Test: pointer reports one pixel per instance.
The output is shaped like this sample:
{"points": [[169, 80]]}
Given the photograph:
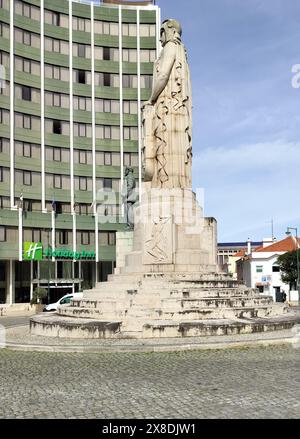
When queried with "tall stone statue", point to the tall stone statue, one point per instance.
{"points": [[129, 196], [167, 116]]}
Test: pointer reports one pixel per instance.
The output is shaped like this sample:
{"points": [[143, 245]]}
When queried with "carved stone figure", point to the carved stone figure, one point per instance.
{"points": [[158, 243], [167, 116], [129, 196]]}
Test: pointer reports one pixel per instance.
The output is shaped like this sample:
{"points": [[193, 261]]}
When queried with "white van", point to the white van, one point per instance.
{"points": [[65, 300]]}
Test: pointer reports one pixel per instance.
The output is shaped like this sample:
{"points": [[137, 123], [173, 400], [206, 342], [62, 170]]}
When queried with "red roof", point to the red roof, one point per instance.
{"points": [[240, 253], [286, 245], [243, 252]]}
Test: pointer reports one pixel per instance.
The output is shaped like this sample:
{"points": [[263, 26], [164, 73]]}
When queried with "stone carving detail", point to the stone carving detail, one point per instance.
{"points": [[167, 116], [158, 248]]}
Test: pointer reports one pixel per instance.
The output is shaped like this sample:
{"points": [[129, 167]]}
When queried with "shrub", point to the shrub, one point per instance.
{"points": [[38, 295]]}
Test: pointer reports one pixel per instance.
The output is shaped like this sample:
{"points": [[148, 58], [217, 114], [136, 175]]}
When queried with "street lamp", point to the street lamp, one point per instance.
{"points": [[288, 232]]}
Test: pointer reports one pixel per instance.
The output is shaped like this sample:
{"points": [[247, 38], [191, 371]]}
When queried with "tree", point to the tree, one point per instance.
{"points": [[288, 267], [38, 295]]}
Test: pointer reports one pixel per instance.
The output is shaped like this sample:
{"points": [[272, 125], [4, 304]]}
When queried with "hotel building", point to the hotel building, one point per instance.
{"points": [[73, 78]]}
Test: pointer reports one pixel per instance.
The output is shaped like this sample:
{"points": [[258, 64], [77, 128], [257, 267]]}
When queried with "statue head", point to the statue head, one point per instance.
{"points": [[128, 170], [170, 31]]}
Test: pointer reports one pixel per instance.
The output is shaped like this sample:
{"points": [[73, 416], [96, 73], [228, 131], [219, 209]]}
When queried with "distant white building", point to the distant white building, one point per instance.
{"points": [[258, 268]]}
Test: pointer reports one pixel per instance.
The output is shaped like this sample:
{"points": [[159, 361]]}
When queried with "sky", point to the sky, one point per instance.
{"points": [[246, 114]]}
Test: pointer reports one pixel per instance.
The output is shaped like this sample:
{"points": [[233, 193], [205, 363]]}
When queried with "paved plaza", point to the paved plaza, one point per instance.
{"points": [[260, 382]]}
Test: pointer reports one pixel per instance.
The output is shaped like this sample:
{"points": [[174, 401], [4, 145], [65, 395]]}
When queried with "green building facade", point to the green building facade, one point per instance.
{"points": [[73, 77]]}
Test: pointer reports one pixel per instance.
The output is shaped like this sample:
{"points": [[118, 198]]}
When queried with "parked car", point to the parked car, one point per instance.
{"points": [[65, 300]]}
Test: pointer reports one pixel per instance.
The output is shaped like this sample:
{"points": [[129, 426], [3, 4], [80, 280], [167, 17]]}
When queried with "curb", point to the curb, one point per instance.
{"points": [[147, 349]]}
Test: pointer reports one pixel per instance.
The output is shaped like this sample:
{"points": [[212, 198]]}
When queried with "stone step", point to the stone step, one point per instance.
{"points": [[219, 313], [196, 328], [54, 325], [125, 300], [137, 311], [216, 302]]}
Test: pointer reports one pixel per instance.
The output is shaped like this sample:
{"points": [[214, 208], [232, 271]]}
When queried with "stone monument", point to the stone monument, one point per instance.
{"points": [[167, 282]]}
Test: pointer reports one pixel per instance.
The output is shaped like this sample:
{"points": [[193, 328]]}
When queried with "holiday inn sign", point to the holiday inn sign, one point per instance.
{"points": [[33, 251]]}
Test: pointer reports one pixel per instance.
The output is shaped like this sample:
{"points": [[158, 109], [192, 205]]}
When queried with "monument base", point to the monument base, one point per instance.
{"points": [[166, 283]]}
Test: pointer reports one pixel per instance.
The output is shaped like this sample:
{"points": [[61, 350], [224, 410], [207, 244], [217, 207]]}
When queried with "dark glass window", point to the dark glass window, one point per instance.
{"points": [[106, 53], [106, 79], [107, 183], [26, 93], [57, 127], [81, 76], [275, 269], [63, 237]]}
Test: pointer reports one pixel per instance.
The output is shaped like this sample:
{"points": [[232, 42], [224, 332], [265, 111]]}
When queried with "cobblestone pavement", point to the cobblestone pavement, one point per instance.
{"points": [[261, 382]]}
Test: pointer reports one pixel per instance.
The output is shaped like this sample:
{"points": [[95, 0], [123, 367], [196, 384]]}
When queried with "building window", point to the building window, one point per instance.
{"points": [[111, 238], [276, 269], [2, 234], [107, 158], [85, 238], [36, 235], [106, 53], [4, 4], [26, 150], [83, 157], [4, 145], [81, 77], [27, 122], [107, 183], [81, 50], [82, 183], [57, 181], [55, 19], [106, 79], [57, 154], [259, 268], [26, 93], [27, 178], [56, 127], [63, 237]]}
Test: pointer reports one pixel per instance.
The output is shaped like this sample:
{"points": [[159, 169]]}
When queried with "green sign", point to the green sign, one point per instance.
{"points": [[33, 251], [65, 253]]}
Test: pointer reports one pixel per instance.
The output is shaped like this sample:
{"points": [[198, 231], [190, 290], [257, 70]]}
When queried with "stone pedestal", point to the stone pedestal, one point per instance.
{"points": [[170, 235]]}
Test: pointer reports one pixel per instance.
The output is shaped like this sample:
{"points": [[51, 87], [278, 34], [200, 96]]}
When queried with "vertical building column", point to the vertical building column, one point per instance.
{"points": [[96, 246], [20, 233], [121, 103], [31, 277], [158, 23], [11, 109], [71, 106], [74, 232], [42, 48], [94, 204], [53, 233], [11, 280], [72, 195], [139, 99]]}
